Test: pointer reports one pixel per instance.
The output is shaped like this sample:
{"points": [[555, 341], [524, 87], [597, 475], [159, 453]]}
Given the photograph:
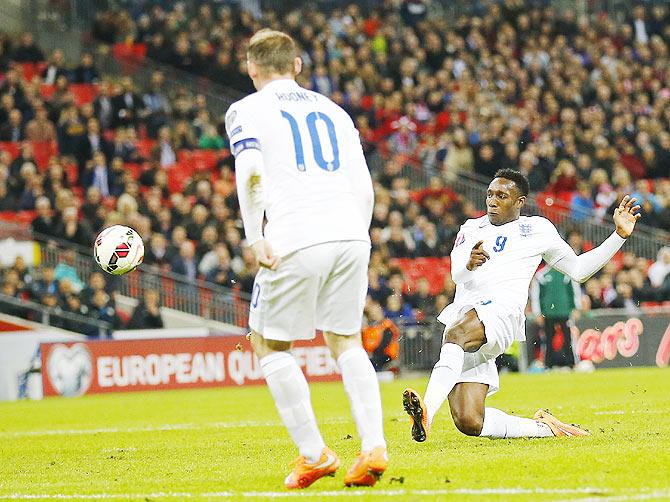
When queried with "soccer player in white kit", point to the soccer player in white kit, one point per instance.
{"points": [[492, 263], [299, 162]]}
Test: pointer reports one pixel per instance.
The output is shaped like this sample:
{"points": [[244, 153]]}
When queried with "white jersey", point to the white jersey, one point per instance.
{"points": [[313, 165], [515, 249]]}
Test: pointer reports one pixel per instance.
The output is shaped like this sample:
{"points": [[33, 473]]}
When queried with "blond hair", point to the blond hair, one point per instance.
{"points": [[273, 52]]}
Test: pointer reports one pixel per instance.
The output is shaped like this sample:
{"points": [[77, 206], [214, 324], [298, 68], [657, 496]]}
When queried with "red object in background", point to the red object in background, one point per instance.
{"points": [[23, 217], [42, 150], [83, 93], [433, 269], [200, 160], [129, 55], [633, 164], [11, 327], [29, 70], [167, 363]]}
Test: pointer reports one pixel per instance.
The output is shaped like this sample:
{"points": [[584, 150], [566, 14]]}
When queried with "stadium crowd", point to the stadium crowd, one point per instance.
{"points": [[582, 107]]}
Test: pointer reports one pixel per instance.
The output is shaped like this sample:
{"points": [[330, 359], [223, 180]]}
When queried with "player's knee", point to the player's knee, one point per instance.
{"points": [[468, 422], [263, 347], [464, 338], [338, 344]]}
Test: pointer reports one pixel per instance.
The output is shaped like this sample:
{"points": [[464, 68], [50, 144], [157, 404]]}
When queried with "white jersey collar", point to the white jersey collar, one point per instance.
{"points": [[281, 83]]}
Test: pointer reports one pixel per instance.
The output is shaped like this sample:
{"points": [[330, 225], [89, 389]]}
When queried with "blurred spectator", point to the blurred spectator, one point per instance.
{"points": [[85, 73], [147, 314], [44, 223], [55, 67], [126, 105], [422, 301], [13, 130], [41, 128], [95, 142], [45, 282], [659, 270], [27, 51], [380, 338], [164, 150], [66, 270], [185, 264], [102, 309], [158, 252], [99, 175], [398, 311], [74, 231]]}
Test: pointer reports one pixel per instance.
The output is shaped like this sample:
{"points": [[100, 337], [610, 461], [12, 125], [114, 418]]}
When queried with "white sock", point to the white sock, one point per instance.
{"points": [[446, 373], [360, 383], [290, 392], [498, 424]]}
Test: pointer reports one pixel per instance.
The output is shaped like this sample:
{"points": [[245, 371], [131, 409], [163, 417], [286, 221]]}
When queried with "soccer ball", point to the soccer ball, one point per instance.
{"points": [[118, 250]]}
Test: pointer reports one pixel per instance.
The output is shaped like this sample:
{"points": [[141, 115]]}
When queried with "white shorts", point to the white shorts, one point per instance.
{"points": [[501, 326], [319, 287]]}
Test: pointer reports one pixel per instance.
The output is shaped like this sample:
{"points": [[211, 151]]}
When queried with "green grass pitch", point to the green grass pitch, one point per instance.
{"points": [[228, 444]]}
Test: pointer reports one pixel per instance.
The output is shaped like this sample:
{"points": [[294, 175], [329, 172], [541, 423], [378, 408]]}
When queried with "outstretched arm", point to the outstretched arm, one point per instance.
{"points": [[581, 268]]}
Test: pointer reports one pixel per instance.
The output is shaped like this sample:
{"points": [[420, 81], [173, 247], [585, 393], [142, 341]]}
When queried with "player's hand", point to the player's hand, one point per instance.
{"points": [[264, 255], [477, 256], [625, 216]]}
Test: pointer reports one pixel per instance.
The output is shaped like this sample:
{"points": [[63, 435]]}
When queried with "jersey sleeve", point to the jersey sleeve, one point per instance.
{"points": [[361, 180], [242, 132], [556, 248]]}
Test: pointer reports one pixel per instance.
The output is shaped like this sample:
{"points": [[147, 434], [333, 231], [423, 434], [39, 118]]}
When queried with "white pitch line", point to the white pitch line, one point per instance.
{"points": [[349, 493], [659, 494], [164, 427], [631, 412], [158, 428]]}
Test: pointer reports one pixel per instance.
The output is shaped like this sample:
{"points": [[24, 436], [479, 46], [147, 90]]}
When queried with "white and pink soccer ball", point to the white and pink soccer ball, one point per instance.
{"points": [[118, 250]]}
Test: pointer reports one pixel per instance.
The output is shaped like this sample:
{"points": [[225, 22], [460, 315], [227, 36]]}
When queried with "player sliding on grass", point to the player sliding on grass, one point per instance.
{"points": [[298, 159], [492, 263]]}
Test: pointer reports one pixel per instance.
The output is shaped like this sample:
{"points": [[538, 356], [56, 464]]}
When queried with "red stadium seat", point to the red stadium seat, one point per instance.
{"points": [[199, 160], [29, 70], [72, 173], [177, 177], [13, 148], [84, 93], [23, 217], [47, 90], [144, 147], [135, 169], [43, 151], [433, 269], [129, 55]]}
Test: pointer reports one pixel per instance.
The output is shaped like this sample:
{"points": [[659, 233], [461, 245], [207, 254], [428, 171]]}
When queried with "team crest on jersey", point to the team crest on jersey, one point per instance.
{"points": [[525, 229], [230, 119]]}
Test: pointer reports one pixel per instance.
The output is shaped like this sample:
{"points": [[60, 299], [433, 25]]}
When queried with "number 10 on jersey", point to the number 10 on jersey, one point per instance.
{"points": [[316, 141]]}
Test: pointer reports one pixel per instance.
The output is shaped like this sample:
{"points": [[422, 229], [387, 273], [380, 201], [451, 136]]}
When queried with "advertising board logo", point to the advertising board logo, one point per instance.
{"points": [[619, 339], [70, 369]]}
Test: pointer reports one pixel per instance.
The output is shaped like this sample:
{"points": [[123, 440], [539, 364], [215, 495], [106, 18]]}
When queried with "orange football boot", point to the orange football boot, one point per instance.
{"points": [[413, 404], [304, 474], [557, 427], [368, 468]]}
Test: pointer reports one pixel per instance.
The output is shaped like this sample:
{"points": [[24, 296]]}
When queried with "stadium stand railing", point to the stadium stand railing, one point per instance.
{"points": [[645, 241], [54, 317], [200, 298]]}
